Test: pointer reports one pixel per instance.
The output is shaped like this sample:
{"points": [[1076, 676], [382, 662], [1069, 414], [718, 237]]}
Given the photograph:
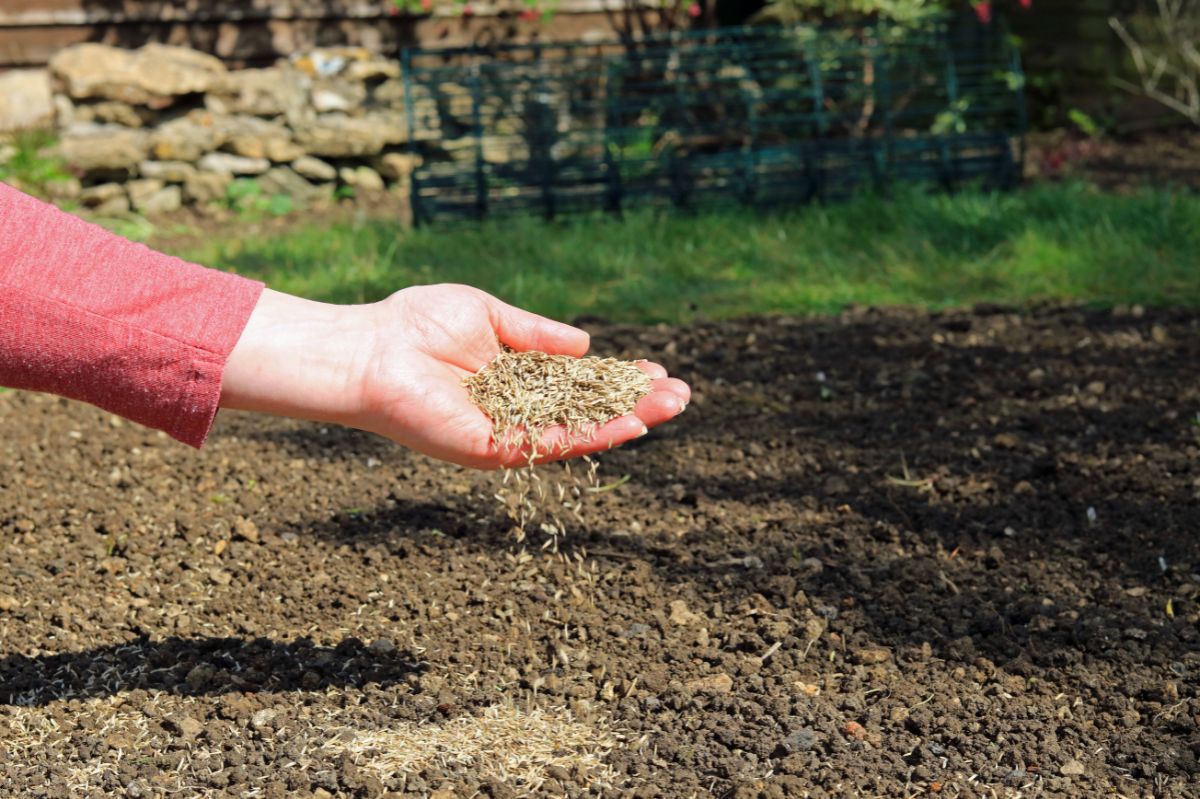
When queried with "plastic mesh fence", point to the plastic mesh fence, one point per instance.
{"points": [[750, 116]]}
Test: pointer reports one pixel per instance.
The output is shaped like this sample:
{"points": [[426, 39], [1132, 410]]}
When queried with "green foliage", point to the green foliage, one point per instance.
{"points": [[532, 10], [1088, 126], [245, 195], [905, 12], [1049, 242], [27, 161]]}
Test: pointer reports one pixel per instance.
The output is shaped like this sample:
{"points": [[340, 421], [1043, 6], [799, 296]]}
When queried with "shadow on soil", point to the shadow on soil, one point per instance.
{"points": [[932, 473], [200, 666]]}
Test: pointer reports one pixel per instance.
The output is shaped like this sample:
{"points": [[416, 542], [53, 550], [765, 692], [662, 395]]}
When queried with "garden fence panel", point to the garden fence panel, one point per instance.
{"points": [[748, 116]]}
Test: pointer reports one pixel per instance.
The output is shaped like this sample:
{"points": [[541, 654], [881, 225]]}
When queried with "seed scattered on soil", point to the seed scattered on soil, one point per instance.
{"points": [[527, 393], [518, 747]]}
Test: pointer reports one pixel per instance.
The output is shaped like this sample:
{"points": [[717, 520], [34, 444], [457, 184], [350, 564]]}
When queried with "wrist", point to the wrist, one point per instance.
{"points": [[299, 358]]}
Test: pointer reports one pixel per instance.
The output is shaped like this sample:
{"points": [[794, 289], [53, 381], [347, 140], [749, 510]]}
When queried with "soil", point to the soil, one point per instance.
{"points": [[1168, 158], [881, 554]]}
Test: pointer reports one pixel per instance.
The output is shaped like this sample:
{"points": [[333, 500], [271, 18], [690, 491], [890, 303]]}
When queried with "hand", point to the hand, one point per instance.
{"points": [[396, 368]]}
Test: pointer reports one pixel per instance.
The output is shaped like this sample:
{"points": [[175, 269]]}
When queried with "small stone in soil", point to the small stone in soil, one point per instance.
{"points": [[262, 718], [382, 646], [720, 683], [189, 728], [872, 655], [799, 741], [247, 530], [1072, 768], [680, 614]]}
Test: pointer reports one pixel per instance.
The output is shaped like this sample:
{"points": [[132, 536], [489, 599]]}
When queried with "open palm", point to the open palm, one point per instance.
{"points": [[428, 339]]}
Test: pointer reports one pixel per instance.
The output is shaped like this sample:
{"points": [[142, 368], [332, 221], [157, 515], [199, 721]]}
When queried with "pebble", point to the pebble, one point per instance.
{"points": [[382, 646], [1006, 441], [189, 728], [807, 688], [1072, 768], [636, 629], [262, 718], [801, 740], [872, 655], [247, 530], [836, 485], [720, 683], [7, 603], [199, 676], [855, 730], [680, 614]]}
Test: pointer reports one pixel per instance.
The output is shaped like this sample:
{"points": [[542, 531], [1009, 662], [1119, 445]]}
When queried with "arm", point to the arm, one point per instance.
{"points": [[91, 316], [396, 368]]}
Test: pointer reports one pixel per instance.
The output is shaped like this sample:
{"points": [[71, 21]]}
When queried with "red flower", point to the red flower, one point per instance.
{"points": [[983, 10], [467, 11], [529, 15], [694, 10], [426, 5], [1026, 4], [394, 10]]}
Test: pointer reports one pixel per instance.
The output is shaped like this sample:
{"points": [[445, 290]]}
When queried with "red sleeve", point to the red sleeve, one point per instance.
{"points": [[92, 316]]}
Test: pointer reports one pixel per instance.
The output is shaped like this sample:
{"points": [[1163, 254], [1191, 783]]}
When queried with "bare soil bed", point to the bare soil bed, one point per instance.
{"points": [[883, 554]]}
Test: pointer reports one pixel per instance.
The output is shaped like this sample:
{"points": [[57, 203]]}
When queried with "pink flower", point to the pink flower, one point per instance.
{"points": [[983, 10], [1026, 4], [694, 10], [467, 11], [426, 5]]}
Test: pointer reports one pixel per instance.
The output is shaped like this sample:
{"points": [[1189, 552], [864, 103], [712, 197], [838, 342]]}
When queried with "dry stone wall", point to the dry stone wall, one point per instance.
{"points": [[152, 129]]}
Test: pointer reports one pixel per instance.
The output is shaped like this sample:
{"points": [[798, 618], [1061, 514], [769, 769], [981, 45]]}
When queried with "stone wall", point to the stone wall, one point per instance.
{"points": [[152, 129]]}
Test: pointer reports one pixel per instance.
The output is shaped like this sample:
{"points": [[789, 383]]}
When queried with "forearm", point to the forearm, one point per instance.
{"points": [[299, 358], [92, 316]]}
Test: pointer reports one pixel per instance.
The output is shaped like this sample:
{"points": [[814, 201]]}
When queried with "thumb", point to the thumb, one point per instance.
{"points": [[523, 330]]}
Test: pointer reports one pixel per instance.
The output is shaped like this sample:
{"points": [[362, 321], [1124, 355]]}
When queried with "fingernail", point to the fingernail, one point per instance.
{"points": [[645, 430], [682, 407]]}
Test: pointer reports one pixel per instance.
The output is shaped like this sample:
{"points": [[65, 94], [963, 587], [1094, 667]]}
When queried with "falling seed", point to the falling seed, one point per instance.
{"points": [[526, 394]]}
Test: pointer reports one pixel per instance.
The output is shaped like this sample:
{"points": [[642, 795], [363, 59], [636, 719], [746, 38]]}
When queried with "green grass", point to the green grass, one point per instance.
{"points": [[1048, 242], [27, 162]]}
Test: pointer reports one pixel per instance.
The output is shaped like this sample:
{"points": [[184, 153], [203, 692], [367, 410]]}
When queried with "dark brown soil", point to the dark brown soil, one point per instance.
{"points": [[885, 554], [1161, 159]]}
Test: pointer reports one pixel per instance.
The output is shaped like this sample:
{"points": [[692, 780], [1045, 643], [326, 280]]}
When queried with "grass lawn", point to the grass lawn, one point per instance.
{"points": [[1048, 242]]}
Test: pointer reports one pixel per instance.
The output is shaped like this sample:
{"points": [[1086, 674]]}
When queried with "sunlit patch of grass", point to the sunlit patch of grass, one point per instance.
{"points": [[1049, 242]]}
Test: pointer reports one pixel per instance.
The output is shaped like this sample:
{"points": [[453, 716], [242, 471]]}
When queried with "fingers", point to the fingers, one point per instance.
{"points": [[523, 330], [652, 369], [665, 402], [660, 381]]}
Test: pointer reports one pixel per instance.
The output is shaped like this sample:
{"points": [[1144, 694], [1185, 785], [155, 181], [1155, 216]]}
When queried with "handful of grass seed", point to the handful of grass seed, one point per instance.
{"points": [[527, 393]]}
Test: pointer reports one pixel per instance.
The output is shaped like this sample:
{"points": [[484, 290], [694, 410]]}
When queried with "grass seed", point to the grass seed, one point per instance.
{"points": [[526, 394]]}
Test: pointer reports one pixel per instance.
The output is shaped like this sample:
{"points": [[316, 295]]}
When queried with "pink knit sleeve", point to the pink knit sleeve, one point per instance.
{"points": [[92, 316]]}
